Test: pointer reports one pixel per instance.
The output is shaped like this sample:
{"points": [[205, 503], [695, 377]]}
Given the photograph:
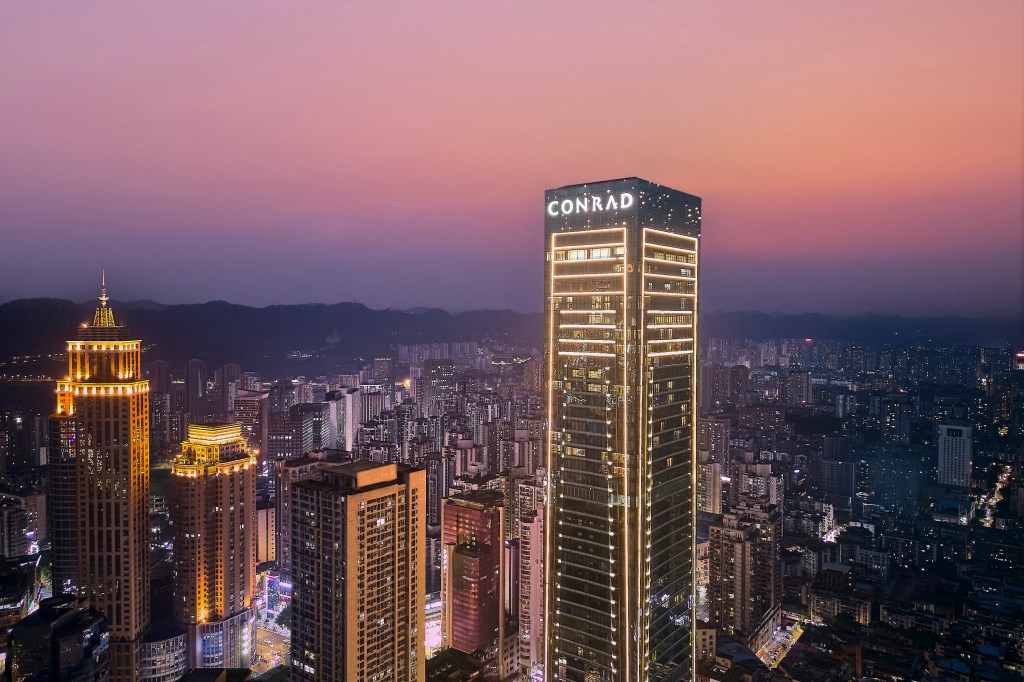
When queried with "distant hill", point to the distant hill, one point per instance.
{"points": [[867, 329], [259, 338], [262, 338]]}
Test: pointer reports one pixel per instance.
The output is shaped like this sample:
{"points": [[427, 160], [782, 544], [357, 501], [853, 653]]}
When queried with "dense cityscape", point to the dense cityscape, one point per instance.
{"points": [[462, 509], [512, 341]]}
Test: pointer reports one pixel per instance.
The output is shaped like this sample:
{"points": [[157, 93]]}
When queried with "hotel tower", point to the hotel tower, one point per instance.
{"points": [[100, 483], [621, 314]]}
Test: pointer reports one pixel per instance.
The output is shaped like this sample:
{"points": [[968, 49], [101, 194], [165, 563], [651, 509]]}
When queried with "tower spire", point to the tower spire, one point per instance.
{"points": [[104, 316], [103, 288]]}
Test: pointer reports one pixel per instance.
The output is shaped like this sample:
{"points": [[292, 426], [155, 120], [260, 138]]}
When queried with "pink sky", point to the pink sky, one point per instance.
{"points": [[851, 156]]}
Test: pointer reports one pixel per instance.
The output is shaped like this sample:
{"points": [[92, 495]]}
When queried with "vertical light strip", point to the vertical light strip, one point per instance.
{"points": [[549, 534], [643, 407], [694, 359], [625, 556]]}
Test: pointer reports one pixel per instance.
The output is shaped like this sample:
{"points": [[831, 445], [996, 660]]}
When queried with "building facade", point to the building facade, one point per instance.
{"points": [[744, 578], [62, 640], [472, 570], [214, 519], [956, 450], [357, 571], [102, 422], [621, 314]]}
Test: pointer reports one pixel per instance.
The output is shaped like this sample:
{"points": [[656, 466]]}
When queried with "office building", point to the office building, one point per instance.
{"points": [[956, 451], [214, 519], [227, 379], [62, 640], [195, 390], [829, 478], [357, 567], [102, 419], [251, 410], [472, 570], [621, 307], [744, 577]]}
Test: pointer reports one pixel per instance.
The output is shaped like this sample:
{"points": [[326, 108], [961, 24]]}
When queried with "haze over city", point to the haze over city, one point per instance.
{"points": [[852, 157]]}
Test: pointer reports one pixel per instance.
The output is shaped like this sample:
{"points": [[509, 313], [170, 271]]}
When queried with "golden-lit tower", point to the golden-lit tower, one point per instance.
{"points": [[358, 536], [102, 477], [621, 314], [214, 518]]}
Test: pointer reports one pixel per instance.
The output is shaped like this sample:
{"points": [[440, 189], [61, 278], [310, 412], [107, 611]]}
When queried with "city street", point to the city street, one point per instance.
{"points": [[271, 649], [772, 653]]}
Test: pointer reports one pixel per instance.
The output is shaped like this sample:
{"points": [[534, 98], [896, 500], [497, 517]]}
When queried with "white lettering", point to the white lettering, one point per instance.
{"points": [[590, 204]]}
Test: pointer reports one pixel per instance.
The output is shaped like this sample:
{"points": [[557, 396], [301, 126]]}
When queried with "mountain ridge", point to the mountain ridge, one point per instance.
{"points": [[261, 338]]}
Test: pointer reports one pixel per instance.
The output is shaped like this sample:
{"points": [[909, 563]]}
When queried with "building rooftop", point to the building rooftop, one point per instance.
{"points": [[478, 498]]}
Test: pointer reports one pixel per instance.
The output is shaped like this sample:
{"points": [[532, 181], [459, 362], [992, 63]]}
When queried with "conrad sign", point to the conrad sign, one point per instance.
{"points": [[590, 204]]}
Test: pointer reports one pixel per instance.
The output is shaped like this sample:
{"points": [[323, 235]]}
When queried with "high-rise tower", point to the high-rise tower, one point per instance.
{"points": [[101, 428], [744, 580], [214, 515], [621, 314], [357, 568]]}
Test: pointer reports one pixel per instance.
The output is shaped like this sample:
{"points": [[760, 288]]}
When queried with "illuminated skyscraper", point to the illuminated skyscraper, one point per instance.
{"points": [[357, 567], [621, 314], [102, 427], [214, 518]]}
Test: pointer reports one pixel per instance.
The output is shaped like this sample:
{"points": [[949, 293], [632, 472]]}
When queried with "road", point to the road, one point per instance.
{"points": [[271, 650], [772, 653]]}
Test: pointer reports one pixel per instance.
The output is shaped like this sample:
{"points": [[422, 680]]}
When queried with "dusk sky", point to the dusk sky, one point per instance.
{"points": [[852, 156]]}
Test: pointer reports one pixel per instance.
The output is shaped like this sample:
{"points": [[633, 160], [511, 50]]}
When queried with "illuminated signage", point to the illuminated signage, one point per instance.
{"points": [[591, 204]]}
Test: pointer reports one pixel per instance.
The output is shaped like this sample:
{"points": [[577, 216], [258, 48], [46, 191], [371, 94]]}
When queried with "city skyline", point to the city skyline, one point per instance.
{"points": [[385, 398], [852, 148]]}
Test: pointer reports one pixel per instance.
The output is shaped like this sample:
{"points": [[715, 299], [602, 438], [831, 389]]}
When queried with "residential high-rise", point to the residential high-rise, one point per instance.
{"points": [[709, 485], [744, 576], [436, 389], [214, 519], [288, 472], [357, 568], [798, 388], [102, 422], [531, 591], [472, 570], [956, 450], [713, 438], [621, 314]]}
